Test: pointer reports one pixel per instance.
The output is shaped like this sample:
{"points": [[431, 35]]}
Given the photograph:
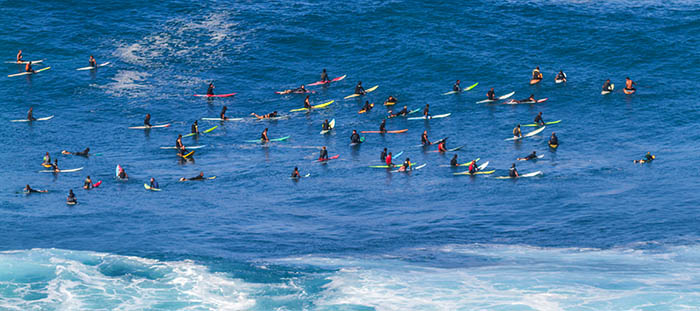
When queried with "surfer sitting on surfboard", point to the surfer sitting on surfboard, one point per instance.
{"points": [[629, 84], [513, 172], [517, 132], [147, 120], [382, 127], [307, 103], [83, 153], [472, 167], [424, 139], [324, 154], [531, 156], [367, 106], [19, 56], [391, 100], [355, 138], [553, 140], [441, 146], [538, 119], [491, 94], [210, 89], [54, 166], [536, 74], [453, 162], [71, 197], [388, 159], [263, 136], [406, 165], [93, 62], [30, 114], [122, 173], [324, 76], [359, 89], [88, 183], [561, 76], [456, 87], [326, 126], [426, 111], [154, 184], [606, 86], [295, 173], [47, 159], [222, 115], [28, 67], [265, 116]]}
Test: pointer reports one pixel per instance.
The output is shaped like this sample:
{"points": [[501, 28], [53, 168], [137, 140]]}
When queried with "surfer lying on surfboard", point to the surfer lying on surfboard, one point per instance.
{"points": [[529, 157], [530, 99], [647, 158], [390, 101], [265, 116], [83, 153], [403, 112], [300, 90], [28, 189], [198, 177]]}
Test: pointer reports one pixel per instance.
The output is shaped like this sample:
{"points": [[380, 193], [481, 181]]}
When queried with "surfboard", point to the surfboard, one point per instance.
{"points": [[97, 184], [553, 146], [497, 98], [327, 82], [148, 187], [215, 95], [149, 127], [413, 169], [538, 157], [366, 91], [546, 123], [530, 134], [93, 67], [28, 73], [533, 174], [313, 107], [560, 81], [463, 90], [274, 139], [37, 119], [363, 110], [62, 171], [185, 156], [25, 62], [116, 170], [626, 91], [203, 132], [612, 88], [535, 81], [190, 147], [303, 176], [330, 158], [431, 117], [387, 132], [331, 124], [475, 173], [220, 119]]}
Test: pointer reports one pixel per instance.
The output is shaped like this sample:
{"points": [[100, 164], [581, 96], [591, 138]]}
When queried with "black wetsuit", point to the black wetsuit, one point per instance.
{"points": [[93, 63], [531, 156], [359, 89], [87, 184], [382, 127], [30, 116], [147, 121], [324, 77], [355, 138], [323, 155], [426, 111], [154, 184], [195, 128], [491, 95], [326, 125], [424, 140], [648, 158], [210, 89], [198, 177], [606, 86], [367, 106], [71, 198], [382, 157], [453, 162], [83, 153], [554, 140], [560, 76], [513, 172], [122, 174], [456, 88], [403, 112], [538, 119]]}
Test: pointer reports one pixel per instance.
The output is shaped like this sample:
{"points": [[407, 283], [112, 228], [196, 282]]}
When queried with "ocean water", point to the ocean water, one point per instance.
{"points": [[593, 232]]}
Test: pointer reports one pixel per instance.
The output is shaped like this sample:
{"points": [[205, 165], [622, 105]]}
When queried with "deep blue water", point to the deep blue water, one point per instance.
{"points": [[594, 232]]}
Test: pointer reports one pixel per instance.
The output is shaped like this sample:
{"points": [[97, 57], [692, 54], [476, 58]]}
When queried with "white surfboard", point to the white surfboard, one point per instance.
{"points": [[147, 127], [497, 98], [38, 119], [93, 67], [25, 62], [220, 119], [431, 117], [530, 134], [62, 171], [533, 174], [186, 147]]}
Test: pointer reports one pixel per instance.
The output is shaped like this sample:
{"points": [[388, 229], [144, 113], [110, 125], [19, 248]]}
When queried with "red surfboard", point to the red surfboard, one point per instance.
{"points": [[331, 158], [326, 82]]}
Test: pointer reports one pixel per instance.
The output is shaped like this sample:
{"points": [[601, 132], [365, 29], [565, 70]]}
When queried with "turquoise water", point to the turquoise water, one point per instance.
{"points": [[593, 232]]}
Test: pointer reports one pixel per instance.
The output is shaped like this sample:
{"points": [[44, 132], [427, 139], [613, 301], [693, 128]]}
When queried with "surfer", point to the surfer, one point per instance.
{"points": [[93, 62], [538, 119], [382, 156], [198, 177], [265, 116], [47, 159], [491, 94], [195, 128], [54, 166], [324, 76], [222, 115], [456, 87], [388, 159], [472, 167], [154, 184], [629, 84], [324, 154], [295, 173], [263, 136], [210, 89], [30, 114], [326, 126], [355, 138], [453, 162], [531, 156], [442, 145], [607, 87], [403, 112], [87, 184], [536, 74], [28, 189], [122, 173], [299, 90], [647, 158], [406, 165], [19, 56], [553, 140], [307, 103], [517, 132], [561, 76], [359, 89], [83, 153], [28, 67], [147, 120], [382, 127], [424, 139], [390, 101], [71, 197], [513, 172], [426, 111], [367, 107]]}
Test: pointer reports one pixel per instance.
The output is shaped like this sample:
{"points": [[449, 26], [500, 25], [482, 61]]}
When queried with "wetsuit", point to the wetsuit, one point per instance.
{"points": [[198, 177], [324, 77], [648, 158], [122, 174], [517, 132], [30, 190], [406, 165], [426, 111], [456, 88], [323, 155], [403, 112], [554, 140], [83, 153], [513, 172], [561, 76], [382, 156], [453, 162], [147, 121], [531, 156], [424, 139], [606, 86], [93, 63], [367, 106], [28, 68], [295, 174], [355, 138], [326, 125], [87, 184], [210, 89], [538, 119], [299, 90], [154, 184], [71, 197], [491, 95], [307, 105], [30, 116], [222, 115], [263, 137], [195, 128], [382, 127], [359, 90]]}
